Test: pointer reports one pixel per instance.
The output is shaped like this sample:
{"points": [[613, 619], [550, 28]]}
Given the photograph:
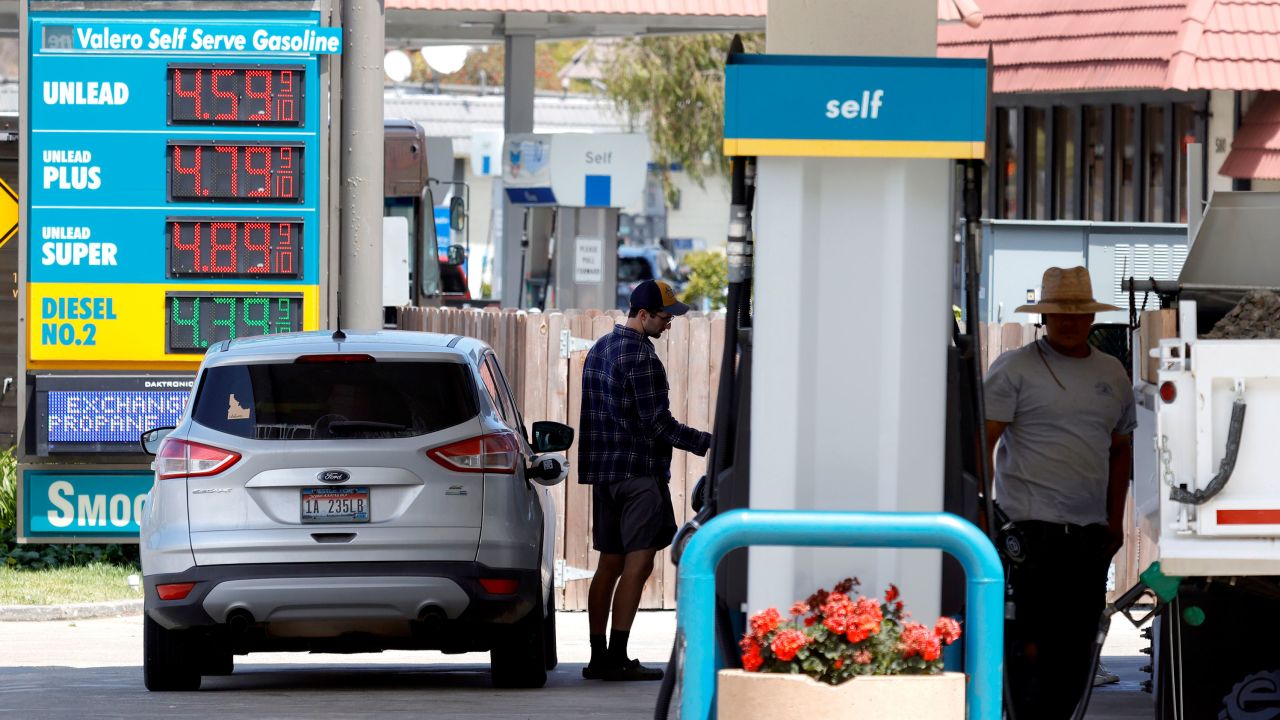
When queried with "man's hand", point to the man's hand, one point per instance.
{"points": [[1115, 541]]}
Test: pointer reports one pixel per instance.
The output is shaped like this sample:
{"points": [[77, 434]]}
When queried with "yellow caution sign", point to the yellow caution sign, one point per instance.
{"points": [[8, 213]]}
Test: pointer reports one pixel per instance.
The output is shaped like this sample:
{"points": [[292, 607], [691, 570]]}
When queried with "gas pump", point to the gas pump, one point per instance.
{"points": [[572, 186]]}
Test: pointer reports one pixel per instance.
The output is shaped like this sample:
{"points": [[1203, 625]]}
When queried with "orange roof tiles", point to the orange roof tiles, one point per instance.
{"points": [[1064, 45], [1255, 151], [722, 8]]}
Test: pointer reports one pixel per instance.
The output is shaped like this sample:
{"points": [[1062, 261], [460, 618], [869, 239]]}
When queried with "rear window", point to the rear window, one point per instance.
{"points": [[331, 401]]}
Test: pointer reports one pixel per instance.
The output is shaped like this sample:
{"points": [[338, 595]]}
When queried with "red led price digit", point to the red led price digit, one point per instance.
{"points": [[264, 94], [193, 94], [235, 100], [193, 247], [264, 172], [235, 166], [284, 253], [264, 247], [228, 231], [284, 105], [193, 170]]}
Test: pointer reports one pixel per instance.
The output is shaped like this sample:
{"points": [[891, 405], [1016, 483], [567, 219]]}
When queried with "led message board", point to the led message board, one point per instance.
{"points": [[104, 413], [174, 157]]}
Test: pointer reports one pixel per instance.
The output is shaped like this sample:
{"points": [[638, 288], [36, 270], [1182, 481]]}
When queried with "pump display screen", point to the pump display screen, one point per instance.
{"points": [[231, 171], [236, 95], [243, 248], [194, 321]]}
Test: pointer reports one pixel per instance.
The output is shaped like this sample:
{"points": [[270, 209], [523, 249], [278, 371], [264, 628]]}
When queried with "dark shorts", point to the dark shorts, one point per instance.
{"points": [[634, 514]]}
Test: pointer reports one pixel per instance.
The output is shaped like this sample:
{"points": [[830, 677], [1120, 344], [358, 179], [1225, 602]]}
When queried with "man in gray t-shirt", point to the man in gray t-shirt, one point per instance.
{"points": [[1063, 414]]}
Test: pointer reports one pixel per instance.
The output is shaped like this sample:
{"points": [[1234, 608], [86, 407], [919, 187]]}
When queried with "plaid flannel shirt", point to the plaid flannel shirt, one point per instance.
{"points": [[626, 429]]}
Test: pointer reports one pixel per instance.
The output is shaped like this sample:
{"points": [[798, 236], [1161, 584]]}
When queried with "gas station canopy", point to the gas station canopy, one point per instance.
{"points": [[483, 21]]}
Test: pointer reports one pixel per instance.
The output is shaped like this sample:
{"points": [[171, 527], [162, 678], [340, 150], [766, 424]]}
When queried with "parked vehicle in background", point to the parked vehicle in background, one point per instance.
{"points": [[639, 263], [407, 193], [325, 492], [453, 283]]}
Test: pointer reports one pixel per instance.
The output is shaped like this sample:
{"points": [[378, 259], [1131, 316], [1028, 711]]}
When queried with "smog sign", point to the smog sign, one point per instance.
{"points": [[103, 505]]}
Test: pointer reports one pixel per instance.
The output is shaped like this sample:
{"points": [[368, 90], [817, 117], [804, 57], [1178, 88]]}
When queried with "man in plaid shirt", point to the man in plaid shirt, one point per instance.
{"points": [[626, 435]]}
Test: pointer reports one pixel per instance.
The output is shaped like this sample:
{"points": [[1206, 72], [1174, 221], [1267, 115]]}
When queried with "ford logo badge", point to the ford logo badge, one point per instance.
{"points": [[334, 476]]}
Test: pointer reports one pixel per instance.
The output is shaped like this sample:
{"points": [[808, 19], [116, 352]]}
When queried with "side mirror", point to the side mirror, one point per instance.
{"points": [[550, 437], [152, 438], [457, 213], [548, 470], [456, 255]]}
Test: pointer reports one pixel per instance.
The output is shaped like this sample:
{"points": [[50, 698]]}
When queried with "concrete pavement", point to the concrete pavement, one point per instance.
{"points": [[99, 661]]}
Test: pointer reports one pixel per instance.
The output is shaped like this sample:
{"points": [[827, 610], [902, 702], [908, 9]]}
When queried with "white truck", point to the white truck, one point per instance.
{"points": [[1207, 475]]}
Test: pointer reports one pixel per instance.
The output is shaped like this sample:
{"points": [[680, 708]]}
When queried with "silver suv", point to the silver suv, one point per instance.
{"points": [[350, 493]]}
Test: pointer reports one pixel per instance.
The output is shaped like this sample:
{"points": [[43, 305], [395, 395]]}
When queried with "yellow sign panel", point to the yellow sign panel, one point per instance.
{"points": [[139, 326], [8, 213]]}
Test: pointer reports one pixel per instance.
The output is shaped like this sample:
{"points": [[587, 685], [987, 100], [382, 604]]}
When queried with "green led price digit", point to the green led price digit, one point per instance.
{"points": [[228, 322], [263, 324], [283, 323], [192, 322]]}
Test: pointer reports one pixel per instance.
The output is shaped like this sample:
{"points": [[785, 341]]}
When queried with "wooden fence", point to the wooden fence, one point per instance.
{"points": [[547, 386]]}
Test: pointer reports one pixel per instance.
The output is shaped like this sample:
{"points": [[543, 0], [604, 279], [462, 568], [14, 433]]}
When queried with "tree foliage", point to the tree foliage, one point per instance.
{"points": [[673, 86], [708, 278]]}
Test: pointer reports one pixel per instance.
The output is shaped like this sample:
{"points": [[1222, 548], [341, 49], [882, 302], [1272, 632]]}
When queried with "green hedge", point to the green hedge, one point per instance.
{"points": [[39, 557]]}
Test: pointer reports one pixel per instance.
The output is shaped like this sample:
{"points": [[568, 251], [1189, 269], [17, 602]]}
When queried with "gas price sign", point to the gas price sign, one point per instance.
{"points": [[236, 94], [174, 182], [215, 171], [234, 248], [198, 320]]}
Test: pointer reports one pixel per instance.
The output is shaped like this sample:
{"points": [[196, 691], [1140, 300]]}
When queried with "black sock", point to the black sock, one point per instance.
{"points": [[618, 646], [599, 653]]}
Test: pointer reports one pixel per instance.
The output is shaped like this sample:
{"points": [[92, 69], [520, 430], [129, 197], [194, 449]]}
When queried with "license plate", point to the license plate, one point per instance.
{"points": [[335, 505]]}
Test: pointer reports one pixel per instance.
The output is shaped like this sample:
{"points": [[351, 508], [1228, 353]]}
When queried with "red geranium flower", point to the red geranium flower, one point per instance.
{"points": [[836, 612], [751, 660], [918, 640], [788, 643], [764, 623], [862, 657], [800, 608], [891, 594], [947, 630], [864, 620]]}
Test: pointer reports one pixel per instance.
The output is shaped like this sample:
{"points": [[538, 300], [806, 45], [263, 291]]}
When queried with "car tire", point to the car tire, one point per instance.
{"points": [[521, 660], [168, 658], [551, 655]]}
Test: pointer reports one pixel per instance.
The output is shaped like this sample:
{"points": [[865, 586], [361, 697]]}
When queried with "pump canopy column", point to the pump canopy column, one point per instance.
{"points": [[851, 294]]}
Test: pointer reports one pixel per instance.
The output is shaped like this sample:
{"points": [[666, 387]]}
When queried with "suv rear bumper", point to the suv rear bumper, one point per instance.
{"points": [[335, 592]]}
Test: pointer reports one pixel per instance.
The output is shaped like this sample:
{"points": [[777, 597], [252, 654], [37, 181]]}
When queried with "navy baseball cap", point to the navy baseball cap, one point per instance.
{"points": [[655, 296]]}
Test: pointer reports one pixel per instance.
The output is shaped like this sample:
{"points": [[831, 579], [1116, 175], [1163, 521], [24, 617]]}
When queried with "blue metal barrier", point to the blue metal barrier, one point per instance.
{"points": [[984, 591]]}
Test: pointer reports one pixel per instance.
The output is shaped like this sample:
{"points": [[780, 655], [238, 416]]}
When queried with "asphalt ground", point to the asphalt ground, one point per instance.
{"points": [[76, 668]]}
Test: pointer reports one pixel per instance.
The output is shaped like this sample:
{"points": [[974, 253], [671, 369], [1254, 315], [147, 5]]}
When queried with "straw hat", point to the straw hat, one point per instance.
{"points": [[1066, 291]]}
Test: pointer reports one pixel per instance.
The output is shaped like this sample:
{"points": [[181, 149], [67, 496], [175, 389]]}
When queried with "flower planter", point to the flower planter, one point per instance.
{"points": [[779, 696]]}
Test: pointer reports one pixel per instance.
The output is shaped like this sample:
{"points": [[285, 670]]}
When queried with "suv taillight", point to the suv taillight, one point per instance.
{"points": [[180, 459], [495, 453]]}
